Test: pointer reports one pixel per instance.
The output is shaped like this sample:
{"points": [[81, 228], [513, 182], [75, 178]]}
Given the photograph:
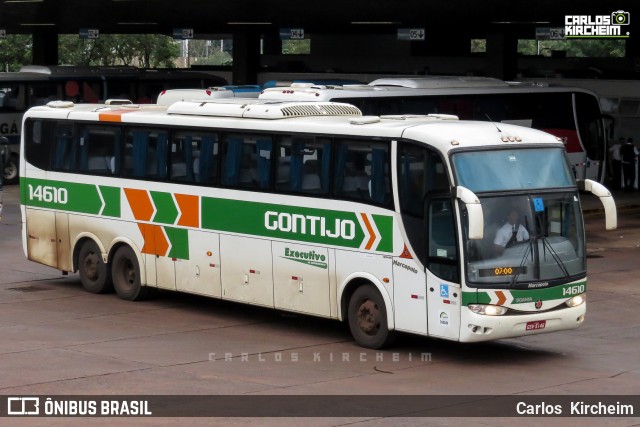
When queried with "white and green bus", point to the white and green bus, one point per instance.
{"points": [[388, 223]]}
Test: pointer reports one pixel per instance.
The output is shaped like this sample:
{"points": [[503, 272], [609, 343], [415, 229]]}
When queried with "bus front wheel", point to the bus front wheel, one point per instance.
{"points": [[94, 273], [368, 318], [125, 271]]}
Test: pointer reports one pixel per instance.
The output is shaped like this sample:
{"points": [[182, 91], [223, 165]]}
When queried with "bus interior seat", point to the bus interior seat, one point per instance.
{"points": [[311, 182], [283, 172], [196, 169], [100, 164], [179, 170]]}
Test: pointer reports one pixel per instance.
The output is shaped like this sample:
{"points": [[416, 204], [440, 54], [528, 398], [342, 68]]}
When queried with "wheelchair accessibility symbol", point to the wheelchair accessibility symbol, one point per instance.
{"points": [[444, 291]]}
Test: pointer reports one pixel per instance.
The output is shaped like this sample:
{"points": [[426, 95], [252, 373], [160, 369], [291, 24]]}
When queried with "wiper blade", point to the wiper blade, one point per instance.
{"points": [[525, 255], [555, 256]]}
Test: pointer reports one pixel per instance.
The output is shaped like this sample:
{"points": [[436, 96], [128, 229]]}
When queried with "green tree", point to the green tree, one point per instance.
{"points": [[296, 47], [208, 52], [141, 50], [583, 48], [15, 51]]}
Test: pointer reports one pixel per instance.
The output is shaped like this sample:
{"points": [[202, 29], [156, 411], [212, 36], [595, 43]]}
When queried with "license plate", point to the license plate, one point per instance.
{"points": [[538, 324]]}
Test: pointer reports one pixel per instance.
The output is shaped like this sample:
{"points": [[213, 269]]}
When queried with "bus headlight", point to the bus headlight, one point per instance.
{"points": [[487, 310], [576, 300]]}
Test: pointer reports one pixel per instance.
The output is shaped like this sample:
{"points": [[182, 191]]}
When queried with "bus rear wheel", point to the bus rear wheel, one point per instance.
{"points": [[10, 172], [125, 271], [94, 273], [368, 318]]}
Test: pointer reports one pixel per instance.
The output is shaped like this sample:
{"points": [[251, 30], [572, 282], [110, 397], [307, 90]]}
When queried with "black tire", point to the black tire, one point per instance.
{"points": [[368, 318], [125, 271], [11, 171], [94, 273]]}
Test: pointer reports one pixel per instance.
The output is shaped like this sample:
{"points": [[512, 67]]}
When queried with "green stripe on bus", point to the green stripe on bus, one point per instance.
{"points": [[111, 196], [520, 296], [321, 226], [71, 197], [179, 240], [166, 211], [385, 227]]}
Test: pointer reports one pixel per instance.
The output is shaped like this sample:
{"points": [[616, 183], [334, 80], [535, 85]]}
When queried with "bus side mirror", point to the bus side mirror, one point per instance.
{"points": [[599, 190], [474, 212], [4, 140]]}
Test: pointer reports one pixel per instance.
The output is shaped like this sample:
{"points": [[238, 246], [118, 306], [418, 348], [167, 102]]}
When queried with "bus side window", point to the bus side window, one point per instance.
{"points": [[247, 161], [362, 172], [146, 154], [303, 165], [65, 152], [181, 157], [193, 157], [135, 163], [99, 147], [264, 148], [38, 142], [205, 165]]}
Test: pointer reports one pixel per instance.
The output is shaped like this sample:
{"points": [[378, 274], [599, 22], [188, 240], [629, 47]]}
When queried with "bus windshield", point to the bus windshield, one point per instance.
{"points": [[530, 240], [512, 169]]}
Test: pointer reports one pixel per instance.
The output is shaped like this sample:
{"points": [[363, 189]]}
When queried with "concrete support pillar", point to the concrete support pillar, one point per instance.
{"points": [[502, 55], [246, 58], [45, 48]]}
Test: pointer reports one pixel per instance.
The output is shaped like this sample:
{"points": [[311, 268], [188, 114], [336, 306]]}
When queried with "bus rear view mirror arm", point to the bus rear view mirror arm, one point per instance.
{"points": [[599, 190], [474, 212]]}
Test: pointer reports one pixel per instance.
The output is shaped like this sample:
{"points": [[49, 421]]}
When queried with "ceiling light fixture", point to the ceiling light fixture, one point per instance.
{"points": [[521, 22], [374, 23], [137, 23], [249, 23]]}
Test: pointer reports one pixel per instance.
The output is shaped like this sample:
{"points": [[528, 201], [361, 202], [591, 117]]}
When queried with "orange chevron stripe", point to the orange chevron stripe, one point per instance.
{"points": [[372, 235], [155, 243], [113, 116], [140, 204], [162, 245], [501, 297], [149, 238], [190, 209]]}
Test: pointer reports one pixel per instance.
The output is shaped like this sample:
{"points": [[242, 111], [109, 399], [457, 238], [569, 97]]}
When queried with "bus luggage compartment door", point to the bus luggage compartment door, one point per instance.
{"points": [[200, 274], [63, 242], [301, 278], [41, 237], [246, 270]]}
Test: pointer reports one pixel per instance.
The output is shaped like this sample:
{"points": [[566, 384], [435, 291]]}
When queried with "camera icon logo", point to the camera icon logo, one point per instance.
{"points": [[620, 17]]}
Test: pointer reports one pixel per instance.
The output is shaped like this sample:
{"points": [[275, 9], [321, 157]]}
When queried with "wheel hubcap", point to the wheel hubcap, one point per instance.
{"points": [[91, 266], [368, 314], [10, 171], [130, 274]]}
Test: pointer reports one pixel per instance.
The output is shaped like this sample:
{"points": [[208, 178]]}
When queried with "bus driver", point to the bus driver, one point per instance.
{"points": [[510, 233]]}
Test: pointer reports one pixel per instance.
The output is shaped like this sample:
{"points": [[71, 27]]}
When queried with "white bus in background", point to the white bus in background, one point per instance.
{"points": [[170, 96], [36, 85], [387, 223], [619, 101], [569, 113]]}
